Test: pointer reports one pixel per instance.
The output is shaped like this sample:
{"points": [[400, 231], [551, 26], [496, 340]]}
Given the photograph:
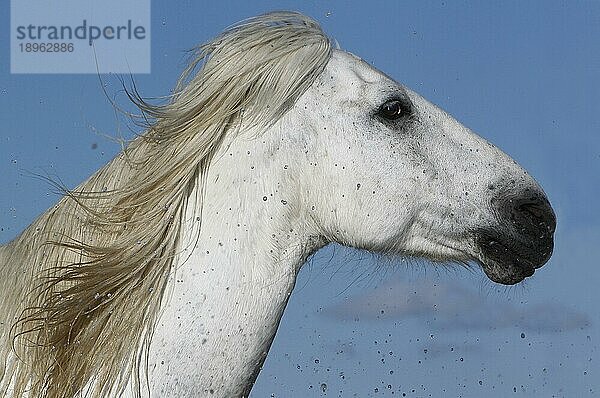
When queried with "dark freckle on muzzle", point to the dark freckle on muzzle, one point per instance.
{"points": [[523, 239]]}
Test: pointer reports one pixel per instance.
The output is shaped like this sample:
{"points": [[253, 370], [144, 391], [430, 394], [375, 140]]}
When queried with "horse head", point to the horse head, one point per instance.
{"points": [[388, 171]]}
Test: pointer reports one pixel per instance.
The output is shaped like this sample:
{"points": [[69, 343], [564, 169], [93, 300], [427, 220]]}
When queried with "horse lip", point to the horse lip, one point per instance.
{"points": [[546, 253], [497, 249], [506, 263]]}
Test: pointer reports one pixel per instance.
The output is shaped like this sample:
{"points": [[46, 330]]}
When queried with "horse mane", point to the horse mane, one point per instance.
{"points": [[82, 287]]}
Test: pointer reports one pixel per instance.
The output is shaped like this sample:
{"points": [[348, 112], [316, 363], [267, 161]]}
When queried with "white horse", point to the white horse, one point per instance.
{"points": [[166, 273]]}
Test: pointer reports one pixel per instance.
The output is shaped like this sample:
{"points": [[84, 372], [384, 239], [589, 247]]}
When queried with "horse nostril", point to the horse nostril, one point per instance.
{"points": [[525, 230], [539, 212]]}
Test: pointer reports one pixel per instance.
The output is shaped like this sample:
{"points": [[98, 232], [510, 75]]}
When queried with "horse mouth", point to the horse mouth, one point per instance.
{"points": [[522, 239], [510, 263]]}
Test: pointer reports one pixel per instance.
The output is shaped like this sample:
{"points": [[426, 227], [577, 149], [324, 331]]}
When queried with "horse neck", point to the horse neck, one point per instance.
{"points": [[233, 277]]}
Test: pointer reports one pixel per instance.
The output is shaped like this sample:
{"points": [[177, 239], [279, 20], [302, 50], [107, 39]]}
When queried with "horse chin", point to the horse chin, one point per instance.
{"points": [[506, 274]]}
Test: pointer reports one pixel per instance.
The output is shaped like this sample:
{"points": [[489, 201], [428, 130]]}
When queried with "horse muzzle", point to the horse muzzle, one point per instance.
{"points": [[522, 241]]}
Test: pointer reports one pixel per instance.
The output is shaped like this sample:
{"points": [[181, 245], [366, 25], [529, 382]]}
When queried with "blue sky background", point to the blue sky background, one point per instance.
{"points": [[524, 75]]}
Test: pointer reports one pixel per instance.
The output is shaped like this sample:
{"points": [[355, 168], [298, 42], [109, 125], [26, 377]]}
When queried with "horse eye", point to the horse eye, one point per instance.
{"points": [[392, 110]]}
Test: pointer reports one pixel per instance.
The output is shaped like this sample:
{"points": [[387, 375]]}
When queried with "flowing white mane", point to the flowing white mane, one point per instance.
{"points": [[93, 268]]}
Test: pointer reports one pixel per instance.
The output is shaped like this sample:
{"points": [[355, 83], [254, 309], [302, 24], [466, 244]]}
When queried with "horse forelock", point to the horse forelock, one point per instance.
{"points": [[99, 261]]}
